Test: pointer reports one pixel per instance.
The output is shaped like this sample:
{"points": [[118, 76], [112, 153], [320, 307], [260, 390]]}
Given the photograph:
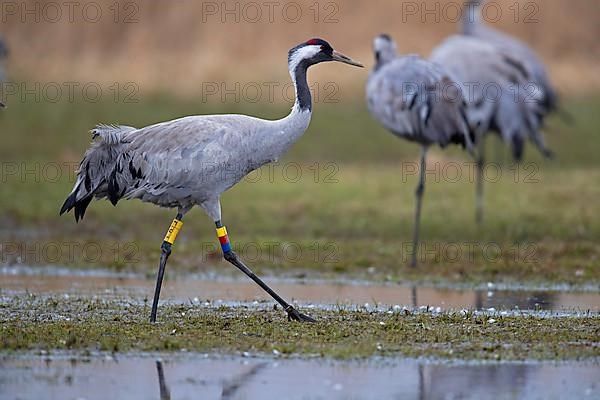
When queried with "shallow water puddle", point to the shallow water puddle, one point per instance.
{"points": [[234, 378], [304, 293]]}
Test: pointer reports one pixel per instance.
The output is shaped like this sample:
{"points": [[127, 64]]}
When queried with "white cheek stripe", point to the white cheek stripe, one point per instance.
{"points": [[303, 53]]}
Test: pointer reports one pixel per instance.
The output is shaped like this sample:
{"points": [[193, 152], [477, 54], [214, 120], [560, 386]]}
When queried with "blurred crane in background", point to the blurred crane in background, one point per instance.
{"points": [[410, 97], [497, 98], [521, 94]]}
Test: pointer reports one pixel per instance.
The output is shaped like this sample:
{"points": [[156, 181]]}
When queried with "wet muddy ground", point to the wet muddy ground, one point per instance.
{"points": [[85, 336]]}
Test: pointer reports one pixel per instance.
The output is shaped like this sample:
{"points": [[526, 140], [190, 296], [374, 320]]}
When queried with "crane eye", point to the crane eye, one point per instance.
{"points": [[326, 49]]}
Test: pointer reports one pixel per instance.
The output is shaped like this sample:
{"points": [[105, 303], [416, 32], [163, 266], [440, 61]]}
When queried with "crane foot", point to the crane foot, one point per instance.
{"points": [[294, 315]]}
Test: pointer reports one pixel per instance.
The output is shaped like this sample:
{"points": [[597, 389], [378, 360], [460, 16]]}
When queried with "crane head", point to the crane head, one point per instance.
{"points": [[315, 51], [384, 48]]}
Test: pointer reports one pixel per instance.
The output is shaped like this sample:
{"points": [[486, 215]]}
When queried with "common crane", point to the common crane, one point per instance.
{"points": [[192, 160], [528, 83], [416, 100], [500, 98]]}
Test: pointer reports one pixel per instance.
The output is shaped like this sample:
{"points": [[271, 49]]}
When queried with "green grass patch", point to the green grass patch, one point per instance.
{"points": [[80, 324], [359, 226], [349, 212]]}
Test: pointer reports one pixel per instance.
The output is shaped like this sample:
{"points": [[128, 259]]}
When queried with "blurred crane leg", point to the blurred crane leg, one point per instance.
{"points": [[479, 184], [419, 194]]}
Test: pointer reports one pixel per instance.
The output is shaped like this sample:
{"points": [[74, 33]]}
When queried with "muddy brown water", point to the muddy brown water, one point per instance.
{"points": [[242, 378], [303, 293]]}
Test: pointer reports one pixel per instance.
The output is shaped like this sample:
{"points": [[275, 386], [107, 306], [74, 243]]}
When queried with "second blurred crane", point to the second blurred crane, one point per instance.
{"points": [[412, 98], [508, 88]]}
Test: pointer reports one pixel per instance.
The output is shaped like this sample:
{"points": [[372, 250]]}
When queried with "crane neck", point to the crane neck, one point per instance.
{"points": [[384, 56], [284, 132], [471, 16], [303, 98]]}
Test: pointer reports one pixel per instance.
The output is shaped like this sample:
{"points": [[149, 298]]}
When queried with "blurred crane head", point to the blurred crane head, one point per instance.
{"points": [[315, 51], [384, 48]]}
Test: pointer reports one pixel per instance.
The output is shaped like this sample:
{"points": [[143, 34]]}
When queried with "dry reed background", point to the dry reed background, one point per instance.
{"points": [[177, 45]]}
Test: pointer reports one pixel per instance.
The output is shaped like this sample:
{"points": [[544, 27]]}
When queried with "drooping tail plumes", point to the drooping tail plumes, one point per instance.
{"points": [[96, 167], [518, 119]]}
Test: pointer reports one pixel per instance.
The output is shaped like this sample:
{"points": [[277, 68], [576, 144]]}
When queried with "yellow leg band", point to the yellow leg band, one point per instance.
{"points": [[173, 231], [222, 231]]}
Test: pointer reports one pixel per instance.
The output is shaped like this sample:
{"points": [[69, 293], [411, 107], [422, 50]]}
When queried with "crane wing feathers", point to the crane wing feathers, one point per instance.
{"points": [[162, 163], [168, 159]]}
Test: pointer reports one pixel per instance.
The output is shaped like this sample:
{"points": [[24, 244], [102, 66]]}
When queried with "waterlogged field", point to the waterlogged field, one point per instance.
{"points": [[340, 204], [84, 325], [338, 207]]}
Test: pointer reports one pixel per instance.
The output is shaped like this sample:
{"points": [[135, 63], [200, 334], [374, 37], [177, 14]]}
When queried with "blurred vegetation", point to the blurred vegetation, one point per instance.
{"points": [[350, 214], [176, 47], [341, 132]]}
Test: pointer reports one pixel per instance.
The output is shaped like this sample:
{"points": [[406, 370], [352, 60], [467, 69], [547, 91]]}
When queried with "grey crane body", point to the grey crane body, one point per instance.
{"points": [[409, 96], [417, 100], [185, 162], [193, 160], [497, 92], [536, 71]]}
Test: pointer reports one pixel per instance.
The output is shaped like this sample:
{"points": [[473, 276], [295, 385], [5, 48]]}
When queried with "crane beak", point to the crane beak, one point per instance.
{"points": [[336, 56]]}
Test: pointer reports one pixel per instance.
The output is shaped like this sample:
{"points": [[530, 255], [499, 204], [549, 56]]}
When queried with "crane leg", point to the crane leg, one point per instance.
{"points": [[233, 258], [479, 184], [419, 194], [165, 249]]}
